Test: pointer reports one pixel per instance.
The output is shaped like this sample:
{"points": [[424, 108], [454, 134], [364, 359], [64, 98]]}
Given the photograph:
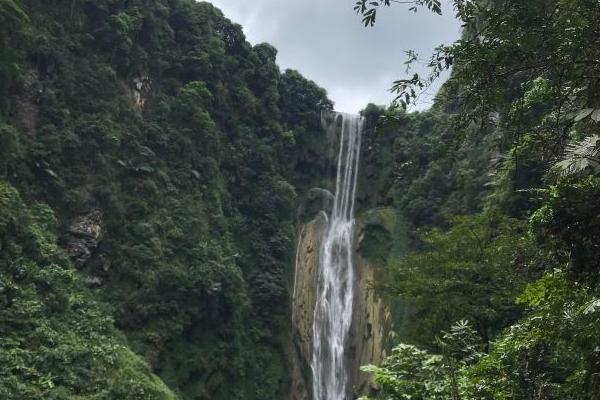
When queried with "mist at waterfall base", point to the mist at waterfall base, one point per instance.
{"points": [[335, 290]]}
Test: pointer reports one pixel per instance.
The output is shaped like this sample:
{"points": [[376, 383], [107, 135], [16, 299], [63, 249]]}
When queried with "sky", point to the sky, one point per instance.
{"points": [[326, 42]]}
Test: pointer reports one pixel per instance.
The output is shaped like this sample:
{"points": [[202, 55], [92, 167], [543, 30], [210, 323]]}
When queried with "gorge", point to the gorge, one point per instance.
{"points": [[169, 158], [181, 219], [338, 322]]}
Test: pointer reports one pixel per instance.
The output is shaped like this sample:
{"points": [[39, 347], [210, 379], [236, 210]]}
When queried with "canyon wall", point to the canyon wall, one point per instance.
{"points": [[371, 325]]}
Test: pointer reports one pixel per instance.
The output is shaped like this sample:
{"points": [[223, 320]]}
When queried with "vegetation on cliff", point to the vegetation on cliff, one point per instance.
{"points": [[56, 341], [501, 286], [151, 163], [170, 152]]}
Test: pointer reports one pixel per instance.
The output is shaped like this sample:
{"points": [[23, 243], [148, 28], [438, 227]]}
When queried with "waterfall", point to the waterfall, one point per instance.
{"points": [[335, 287]]}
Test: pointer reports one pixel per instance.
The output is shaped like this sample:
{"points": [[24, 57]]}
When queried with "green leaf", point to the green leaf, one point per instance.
{"points": [[12, 8], [583, 114]]}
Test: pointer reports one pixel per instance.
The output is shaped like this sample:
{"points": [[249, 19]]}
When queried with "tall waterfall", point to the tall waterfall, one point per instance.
{"points": [[335, 291]]}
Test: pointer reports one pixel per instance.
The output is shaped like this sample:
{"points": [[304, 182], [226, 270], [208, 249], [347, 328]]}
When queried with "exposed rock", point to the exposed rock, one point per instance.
{"points": [[139, 90], [371, 325], [27, 103], [93, 281], [84, 235], [316, 201], [304, 297]]}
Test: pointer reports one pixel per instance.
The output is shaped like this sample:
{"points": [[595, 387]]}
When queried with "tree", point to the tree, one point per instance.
{"points": [[470, 271], [508, 42], [411, 373]]}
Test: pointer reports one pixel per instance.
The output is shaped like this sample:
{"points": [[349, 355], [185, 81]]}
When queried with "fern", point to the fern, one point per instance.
{"points": [[581, 156]]}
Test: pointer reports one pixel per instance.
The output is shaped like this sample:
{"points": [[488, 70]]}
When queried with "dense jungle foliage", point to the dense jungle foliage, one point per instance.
{"points": [[150, 160], [498, 184]]}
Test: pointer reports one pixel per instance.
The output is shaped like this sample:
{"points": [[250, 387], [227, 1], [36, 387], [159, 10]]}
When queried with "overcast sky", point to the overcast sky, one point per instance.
{"points": [[326, 41]]}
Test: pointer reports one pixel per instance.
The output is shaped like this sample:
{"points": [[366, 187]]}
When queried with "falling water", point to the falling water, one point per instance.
{"points": [[335, 292]]}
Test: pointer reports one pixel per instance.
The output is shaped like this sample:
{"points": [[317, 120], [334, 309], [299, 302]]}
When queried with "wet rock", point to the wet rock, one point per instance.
{"points": [[371, 324], [304, 296], [316, 201], [371, 327]]}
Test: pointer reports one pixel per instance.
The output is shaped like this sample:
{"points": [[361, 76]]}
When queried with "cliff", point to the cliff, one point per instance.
{"points": [[170, 151], [371, 325]]}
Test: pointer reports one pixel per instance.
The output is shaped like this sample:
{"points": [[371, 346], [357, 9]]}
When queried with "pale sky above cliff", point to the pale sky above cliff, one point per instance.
{"points": [[326, 41]]}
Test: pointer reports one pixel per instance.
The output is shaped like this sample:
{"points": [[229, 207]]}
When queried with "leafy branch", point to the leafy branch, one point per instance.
{"points": [[404, 89], [368, 8], [12, 8]]}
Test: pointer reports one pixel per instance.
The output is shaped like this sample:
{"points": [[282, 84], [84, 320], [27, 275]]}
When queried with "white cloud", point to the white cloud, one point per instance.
{"points": [[326, 42]]}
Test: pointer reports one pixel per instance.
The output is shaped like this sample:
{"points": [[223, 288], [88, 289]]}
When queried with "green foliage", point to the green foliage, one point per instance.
{"points": [[9, 147], [12, 19], [551, 353], [568, 226], [368, 9], [412, 373], [524, 89], [470, 271], [421, 165], [192, 146], [383, 236], [12, 9], [582, 156], [505, 44], [56, 341]]}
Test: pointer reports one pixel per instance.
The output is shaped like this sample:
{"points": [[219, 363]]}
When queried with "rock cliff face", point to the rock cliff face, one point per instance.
{"points": [[304, 295], [371, 320], [372, 324]]}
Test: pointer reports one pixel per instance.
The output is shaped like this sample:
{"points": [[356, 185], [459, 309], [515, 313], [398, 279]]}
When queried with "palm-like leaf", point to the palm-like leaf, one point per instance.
{"points": [[581, 156]]}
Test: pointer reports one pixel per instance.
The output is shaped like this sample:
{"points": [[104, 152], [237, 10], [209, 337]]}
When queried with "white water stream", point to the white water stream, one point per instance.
{"points": [[335, 291]]}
